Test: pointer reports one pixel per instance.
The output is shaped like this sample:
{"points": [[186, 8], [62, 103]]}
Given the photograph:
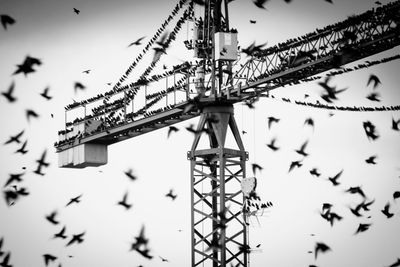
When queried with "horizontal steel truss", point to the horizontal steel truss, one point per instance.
{"points": [[217, 239]]}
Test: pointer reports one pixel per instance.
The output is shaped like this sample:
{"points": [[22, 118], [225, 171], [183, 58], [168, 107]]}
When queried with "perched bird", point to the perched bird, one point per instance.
{"points": [[302, 148], [48, 258], [52, 218], [370, 130], [362, 228], [374, 80], [15, 138], [61, 234], [137, 42], [14, 178], [256, 167], [297, 164], [396, 195], [386, 211], [9, 94], [124, 203], [272, 120], [74, 200], [45, 94], [395, 124], [171, 194], [6, 260], [272, 145], [335, 178], [315, 172], [320, 247], [260, 3], [27, 66], [172, 129], [371, 160], [356, 190], [77, 11], [41, 163], [374, 97], [22, 149], [6, 20], [130, 175], [78, 86], [76, 239], [86, 71]]}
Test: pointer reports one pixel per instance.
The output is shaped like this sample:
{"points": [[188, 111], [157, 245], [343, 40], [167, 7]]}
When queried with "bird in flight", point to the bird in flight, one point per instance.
{"points": [[48, 258], [335, 178], [272, 120], [22, 149], [302, 148], [309, 121], [15, 139], [253, 21], [395, 124], [6, 20], [272, 146], [260, 3], [124, 203], [163, 259], [315, 172], [130, 174], [386, 211], [331, 91], [137, 42], [297, 164], [171, 195], [52, 218], [9, 94], [396, 195], [27, 66], [370, 130], [374, 80], [253, 48], [320, 247], [14, 178], [76, 239], [61, 234], [77, 11], [79, 86], [31, 113], [6, 260], [371, 160], [373, 97], [356, 190], [45, 94], [74, 200], [86, 71], [41, 163], [362, 228], [255, 167], [172, 129]]}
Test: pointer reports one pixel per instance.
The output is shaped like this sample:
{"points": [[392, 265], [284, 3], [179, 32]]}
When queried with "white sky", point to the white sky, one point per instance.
{"points": [[97, 39]]}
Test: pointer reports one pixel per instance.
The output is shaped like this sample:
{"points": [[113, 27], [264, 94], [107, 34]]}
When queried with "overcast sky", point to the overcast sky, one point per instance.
{"points": [[97, 39]]}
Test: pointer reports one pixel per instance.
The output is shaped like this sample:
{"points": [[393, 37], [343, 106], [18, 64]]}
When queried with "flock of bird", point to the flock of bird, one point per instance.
{"points": [[13, 188]]}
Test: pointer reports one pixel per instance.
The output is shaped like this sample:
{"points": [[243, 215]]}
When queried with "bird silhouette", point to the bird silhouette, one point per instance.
{"points": [[253, 21], [302, 148], [320, 247], [386, 211], [370, 130], [330, 90], [395, 124], [6, 260], [396, 264], [362, 228], [140, 244], [79, 86], [244, 132], [357, 209], [9, 94], [130, 175], [374, 97], [260, 3], [255, 167], [48, 258], [371, 160], [396, 195], [297, 164], [315, 172], [41, 163], [74, 200], [6, 20], [374, 80], [86, 71], [272, 146], [171, 195], [15, 138], [45, 94], [77, 11], [52, 218], [1, 245], [124, 203], [76, 239], [61, 234], [329, 1], [163, 259], [137, 42], [172, 129], [310, 122], [253, 48], [335, 178], [272, 120], [31, 113], [22, 149], [365, 205], [14, 178], [27, 66], [356, 190]]}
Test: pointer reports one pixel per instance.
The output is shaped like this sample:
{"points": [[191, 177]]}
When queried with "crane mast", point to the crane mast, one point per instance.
{"points": [[219, 211]]}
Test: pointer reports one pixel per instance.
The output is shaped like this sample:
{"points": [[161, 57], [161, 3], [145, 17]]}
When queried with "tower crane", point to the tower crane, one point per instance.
{"points": [[209, 88]]}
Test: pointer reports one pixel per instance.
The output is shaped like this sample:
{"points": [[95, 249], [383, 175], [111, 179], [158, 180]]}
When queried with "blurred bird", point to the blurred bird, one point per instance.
{"points": [[8, 94], [6, 20], [1, 245], [396, 264], [45, 94], [375, 80], [335, 178], [163, 259], [253, 21], [130, 174], [6, 260], [395, 124], [27, 66], [74, 200], [31, 113], [15, 139], [86, 71], [357, 209], [76, 239], [244, 132], [260, 3], [48, 258], [272, 120], [370, 130], [362, 228], [61, 234], [396, 195], [302, 148], [52, 218], [379, 3], [329, 1], [14, 178], [356, 190], [256, 167], [315, 172], [330, 90], [172, 129], [272, 145], [386, 211], [124, 203], [371, 160], [171, 195], [365, 205], [22, 148], [374, 97], [320, 247], [199, 2], [41, 163], [77, 11], [295, 164], [78, 86], [253, 48], [309, 121]]}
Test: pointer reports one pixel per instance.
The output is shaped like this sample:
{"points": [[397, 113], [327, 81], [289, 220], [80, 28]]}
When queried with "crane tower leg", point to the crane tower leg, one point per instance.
{"points": [[219, 233]]}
